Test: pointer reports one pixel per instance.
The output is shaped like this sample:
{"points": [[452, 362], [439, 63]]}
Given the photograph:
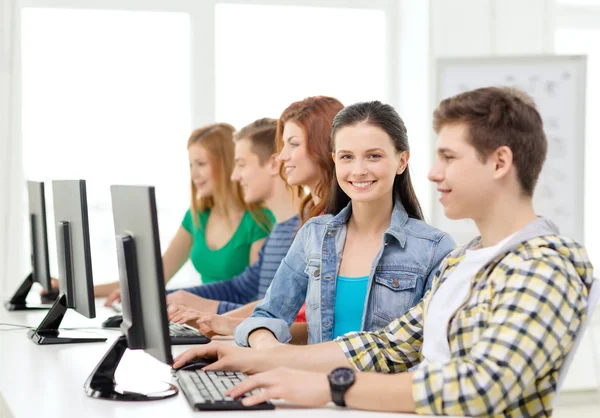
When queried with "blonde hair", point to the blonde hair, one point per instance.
{"points": [[217, 140]]}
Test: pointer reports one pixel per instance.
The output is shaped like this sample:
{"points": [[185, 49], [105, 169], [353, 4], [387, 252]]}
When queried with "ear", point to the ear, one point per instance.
{"points": [[273, 165], [402, 162], [502, 160], [333, 157]]}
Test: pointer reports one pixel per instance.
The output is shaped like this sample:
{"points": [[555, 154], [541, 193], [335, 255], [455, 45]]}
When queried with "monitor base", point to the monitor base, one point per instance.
{"points": [[18, 303], [101, 383], [47, 337]]}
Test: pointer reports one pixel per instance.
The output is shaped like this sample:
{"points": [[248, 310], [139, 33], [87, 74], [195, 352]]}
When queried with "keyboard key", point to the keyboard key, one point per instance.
{"points": [[205, 390]]}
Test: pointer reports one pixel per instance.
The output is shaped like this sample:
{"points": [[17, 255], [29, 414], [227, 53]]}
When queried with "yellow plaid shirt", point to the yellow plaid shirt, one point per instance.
{"points": [[508, 340]]}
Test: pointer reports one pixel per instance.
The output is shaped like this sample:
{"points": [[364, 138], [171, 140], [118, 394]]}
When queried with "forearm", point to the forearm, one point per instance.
{"points": [[262, 338], [244, 311], [103, 290], [322, 357], [177, 253], [381, 392], [172, 265]]}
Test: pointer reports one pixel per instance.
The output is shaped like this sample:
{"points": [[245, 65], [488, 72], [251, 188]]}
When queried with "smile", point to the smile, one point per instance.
{"points": [[362, 184], [443, 194]]}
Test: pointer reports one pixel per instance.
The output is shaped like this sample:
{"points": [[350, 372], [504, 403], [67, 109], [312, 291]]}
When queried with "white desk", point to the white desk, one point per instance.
{"points": [[48, 380]]}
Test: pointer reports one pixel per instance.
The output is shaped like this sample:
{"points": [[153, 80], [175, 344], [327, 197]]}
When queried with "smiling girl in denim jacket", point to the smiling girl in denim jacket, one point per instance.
{"points": [[371, 257]]}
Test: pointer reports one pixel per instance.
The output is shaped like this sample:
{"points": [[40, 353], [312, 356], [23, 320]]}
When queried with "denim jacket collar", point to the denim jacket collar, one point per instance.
{"points": [[396, 229]]}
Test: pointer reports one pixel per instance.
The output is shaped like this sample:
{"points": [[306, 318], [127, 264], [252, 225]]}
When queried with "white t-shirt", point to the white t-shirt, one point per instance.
{"points": [[448, 298]]}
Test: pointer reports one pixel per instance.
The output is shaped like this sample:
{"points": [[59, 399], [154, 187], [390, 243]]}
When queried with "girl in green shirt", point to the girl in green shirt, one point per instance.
{"points": [[220, 233]]}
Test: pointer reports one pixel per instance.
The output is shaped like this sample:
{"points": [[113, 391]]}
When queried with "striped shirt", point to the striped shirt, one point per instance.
{"points": [[253, 282]]}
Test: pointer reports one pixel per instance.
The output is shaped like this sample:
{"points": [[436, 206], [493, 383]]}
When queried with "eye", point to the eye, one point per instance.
{"points": [[375, 156], [346, 157]]}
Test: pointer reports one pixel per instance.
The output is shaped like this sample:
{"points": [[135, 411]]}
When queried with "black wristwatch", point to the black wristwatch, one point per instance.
{"points": [[340, 381]]}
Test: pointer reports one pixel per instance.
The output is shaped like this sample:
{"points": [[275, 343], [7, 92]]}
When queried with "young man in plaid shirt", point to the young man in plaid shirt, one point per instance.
{"points": [[492, 334]]}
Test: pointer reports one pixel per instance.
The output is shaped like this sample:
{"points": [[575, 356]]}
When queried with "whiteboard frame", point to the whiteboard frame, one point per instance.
{"points": [[580, 61]]}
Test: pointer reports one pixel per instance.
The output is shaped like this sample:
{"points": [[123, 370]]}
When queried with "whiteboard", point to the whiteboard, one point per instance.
{"points": [[557, 84]]}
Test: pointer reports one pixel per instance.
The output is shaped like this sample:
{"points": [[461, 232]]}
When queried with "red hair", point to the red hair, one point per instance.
{"points": [[314, 115]]}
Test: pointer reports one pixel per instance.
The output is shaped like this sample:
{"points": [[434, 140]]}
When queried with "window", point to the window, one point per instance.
{"points": [[106, 98], [270, 56]]}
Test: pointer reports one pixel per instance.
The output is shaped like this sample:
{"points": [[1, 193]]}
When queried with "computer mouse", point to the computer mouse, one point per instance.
{"points": [[113, 322], [196, 364]]}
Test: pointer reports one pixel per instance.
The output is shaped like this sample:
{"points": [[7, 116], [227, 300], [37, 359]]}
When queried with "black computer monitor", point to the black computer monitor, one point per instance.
{"points": [[143, 298], [74, 265], [40, 264]]}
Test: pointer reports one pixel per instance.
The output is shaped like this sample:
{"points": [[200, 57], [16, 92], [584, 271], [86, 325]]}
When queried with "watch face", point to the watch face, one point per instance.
{"points": [[342, 376]]}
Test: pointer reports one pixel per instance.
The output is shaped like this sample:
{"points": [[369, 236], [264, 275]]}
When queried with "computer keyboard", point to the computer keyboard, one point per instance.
{"points": [[205, 390], [182, 334]]}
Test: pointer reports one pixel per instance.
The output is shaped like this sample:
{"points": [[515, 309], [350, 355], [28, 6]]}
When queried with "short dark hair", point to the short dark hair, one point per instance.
{"points": [[261, 134], [496, 117]]}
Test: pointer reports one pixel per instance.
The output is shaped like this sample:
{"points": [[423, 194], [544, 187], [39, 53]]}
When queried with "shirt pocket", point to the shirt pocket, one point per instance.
{"points": [[394, 293], [313, 291]]}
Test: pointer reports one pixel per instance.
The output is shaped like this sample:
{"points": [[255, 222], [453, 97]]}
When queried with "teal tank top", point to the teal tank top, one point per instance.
{"points": [[350, 295]]}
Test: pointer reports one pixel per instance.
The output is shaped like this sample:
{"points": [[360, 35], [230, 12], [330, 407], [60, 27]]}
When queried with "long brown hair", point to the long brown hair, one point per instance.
{"points": [[386, 118], [314, 115], [217, 140]]}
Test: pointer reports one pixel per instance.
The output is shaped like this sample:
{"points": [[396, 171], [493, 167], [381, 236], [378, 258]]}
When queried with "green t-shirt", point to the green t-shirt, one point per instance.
{"points": [[229, 260]]}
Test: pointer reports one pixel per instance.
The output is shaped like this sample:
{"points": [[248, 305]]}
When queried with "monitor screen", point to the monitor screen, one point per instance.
{"points": [[73, 245], [40, 264], [143, 297]]}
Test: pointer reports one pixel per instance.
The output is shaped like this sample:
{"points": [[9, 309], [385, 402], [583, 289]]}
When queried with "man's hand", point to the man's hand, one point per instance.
{"points": [[114, 296], [54, 284], [182, 314], [230, 357], [211, 324], [187, 299], [296, 386]]}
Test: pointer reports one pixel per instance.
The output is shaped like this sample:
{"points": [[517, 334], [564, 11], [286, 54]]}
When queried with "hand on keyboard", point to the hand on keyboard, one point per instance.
{"points": [[182, 314], [230, 357], [114, 296], [207, 390], [117, 307], [296, 386]]}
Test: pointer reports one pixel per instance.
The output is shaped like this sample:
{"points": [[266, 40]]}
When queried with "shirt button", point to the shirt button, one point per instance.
{"points": [[395, 283], [330, 233], [317, 272]]}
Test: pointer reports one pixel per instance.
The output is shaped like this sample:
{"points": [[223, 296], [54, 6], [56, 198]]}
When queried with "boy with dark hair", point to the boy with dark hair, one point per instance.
{"points": [[492, 334]]}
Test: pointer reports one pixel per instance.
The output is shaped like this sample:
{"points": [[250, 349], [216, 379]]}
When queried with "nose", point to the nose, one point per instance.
{"points": [[436, 174], [283, 155], [235, 175], [359, 169]]}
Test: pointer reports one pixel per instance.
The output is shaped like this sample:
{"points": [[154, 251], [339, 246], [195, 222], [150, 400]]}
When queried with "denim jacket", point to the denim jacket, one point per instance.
{"points": [[401, 273]]}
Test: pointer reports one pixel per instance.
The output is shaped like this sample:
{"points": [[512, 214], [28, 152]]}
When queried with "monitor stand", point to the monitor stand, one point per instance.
{"points": [[101, 383], [48, 333], [18, 301]]}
